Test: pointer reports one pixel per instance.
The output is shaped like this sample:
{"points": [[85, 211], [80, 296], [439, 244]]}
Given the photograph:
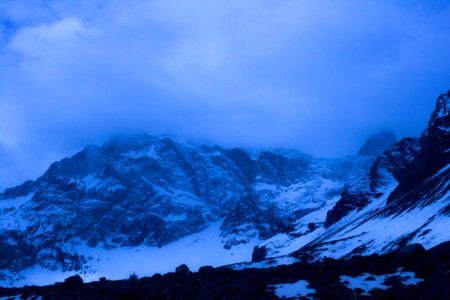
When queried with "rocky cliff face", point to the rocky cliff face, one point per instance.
{"points": [[435, 150], [286, 189], [128, 192], [147, 191]]}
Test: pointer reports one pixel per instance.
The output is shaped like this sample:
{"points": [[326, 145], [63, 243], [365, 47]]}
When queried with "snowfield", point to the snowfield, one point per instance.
{"points": [[200, 249]]}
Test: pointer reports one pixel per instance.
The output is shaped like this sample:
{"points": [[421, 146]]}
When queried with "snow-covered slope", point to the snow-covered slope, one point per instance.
{"points": [[278, 198], [196, 250], [405, 199], [382, 227]]}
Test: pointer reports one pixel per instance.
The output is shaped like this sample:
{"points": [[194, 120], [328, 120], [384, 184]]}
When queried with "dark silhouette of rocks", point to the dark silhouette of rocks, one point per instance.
{"points": [[433, 266]]}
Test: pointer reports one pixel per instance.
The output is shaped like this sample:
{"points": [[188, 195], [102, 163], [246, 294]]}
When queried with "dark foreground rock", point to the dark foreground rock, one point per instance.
{"points": [[432, 266], [73, 282]]}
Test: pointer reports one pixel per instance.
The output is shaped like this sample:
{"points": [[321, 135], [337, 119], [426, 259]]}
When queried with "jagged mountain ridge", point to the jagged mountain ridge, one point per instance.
{"points": [[126, 193], [148, 191], [412, 202]]}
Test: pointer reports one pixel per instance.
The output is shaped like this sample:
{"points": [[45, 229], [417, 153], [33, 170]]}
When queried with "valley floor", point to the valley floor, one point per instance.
{"points": [[409, 273]]}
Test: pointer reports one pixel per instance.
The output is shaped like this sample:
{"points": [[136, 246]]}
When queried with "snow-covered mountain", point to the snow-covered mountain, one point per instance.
{"points": [[144, 192], [404, 199], [147, 204]]}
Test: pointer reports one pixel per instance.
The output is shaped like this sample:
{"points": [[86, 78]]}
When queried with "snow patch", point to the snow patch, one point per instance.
{"points": [[269, 263], [294, 290], [15, 202], [175, 218], [284, 244], [21, 297], [368, 282]]}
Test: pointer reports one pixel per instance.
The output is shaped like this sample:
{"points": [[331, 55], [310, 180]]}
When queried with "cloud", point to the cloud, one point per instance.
{"points": [[318, 75]]}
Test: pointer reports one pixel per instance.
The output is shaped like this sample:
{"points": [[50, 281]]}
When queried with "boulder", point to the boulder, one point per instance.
{"points": [[182, 270], [259, 253], [73, 282]]}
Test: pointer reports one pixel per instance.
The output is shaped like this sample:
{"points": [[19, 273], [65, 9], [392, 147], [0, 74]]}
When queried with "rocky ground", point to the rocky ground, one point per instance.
{"points": [[431, 280]]}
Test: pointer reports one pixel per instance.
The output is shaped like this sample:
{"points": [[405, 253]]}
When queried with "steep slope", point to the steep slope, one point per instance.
{"points": [[435, 150], [404, 200], [385, 172], [285, 189], [334, 195]]}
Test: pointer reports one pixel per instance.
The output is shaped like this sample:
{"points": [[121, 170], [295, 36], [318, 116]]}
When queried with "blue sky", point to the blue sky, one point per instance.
{"points": [[316, 75]]}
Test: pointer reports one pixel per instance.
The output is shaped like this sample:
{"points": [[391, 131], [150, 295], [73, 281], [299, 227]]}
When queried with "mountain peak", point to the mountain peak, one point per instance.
{"points": [[434, 149], [443, 105], [436, 136], [378, 143]]}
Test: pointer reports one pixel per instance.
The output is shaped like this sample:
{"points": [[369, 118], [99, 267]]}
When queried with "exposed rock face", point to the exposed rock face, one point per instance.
{"points": [[259, 254], [350, 200], [147, 191], [385, 171], [378, 143], [435, 150], [436, 139], [286, 189], [128, 192]]}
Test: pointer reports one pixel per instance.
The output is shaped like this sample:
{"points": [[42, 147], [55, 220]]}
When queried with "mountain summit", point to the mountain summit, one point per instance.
{"points": [[378, 143]]}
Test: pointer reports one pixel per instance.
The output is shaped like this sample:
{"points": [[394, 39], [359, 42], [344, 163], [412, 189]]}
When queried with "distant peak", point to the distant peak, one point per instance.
{"points": [[378, 143]]}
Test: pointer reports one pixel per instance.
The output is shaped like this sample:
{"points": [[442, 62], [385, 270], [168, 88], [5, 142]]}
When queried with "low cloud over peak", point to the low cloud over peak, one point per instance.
{"points": [[320, 76]]}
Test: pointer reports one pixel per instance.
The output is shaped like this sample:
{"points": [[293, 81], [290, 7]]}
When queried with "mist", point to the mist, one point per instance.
{"points": [[319, 76]]}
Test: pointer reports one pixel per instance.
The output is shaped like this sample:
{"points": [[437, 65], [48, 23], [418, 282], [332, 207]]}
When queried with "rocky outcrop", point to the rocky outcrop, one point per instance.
{"points": [[256, 213], [387, 169], [411, 162], [435, 150], [286, 188], [250, 218], [350, 200]]}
